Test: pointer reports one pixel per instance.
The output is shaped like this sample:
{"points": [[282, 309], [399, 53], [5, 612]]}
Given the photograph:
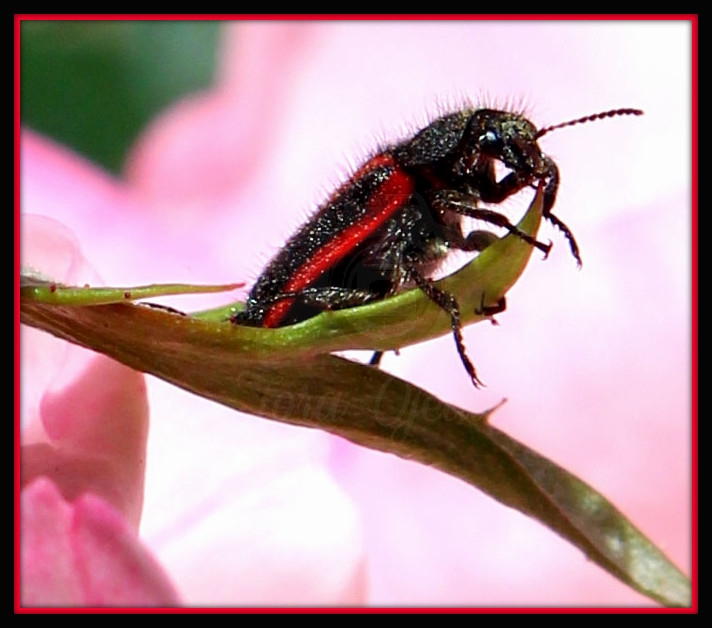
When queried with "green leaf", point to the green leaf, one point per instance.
{"points": [[288, 375], [52, 293]]}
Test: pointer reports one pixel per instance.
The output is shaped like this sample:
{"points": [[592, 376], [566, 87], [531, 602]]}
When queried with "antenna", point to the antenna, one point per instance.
{"points": [[591, 118]]}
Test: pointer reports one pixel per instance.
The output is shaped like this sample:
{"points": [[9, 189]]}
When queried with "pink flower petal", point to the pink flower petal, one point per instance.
{"points": [[87, 417], [96, 426], [84, 554], [288, 540], [226, 133]]}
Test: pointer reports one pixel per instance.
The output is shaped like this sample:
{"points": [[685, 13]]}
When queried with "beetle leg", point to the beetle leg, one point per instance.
{"points": [[550, 189], [328, 297], [475, 241], [376, 358], [448, 303], [490, 310], [460, 203]]}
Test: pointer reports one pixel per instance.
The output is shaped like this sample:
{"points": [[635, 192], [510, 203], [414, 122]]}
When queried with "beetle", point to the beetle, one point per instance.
{"points": [[390, 224]]}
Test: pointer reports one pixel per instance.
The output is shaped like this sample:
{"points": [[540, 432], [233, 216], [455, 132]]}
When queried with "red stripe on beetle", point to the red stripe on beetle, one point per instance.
{"points": [[384, 159], [387, 200]]}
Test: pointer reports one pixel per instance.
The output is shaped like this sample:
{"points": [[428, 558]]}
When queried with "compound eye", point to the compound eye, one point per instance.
{"points": [[488, 137], [491, 142]]}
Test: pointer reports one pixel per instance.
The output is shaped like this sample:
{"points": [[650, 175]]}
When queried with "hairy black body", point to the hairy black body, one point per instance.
{"points": [[400, 214]]}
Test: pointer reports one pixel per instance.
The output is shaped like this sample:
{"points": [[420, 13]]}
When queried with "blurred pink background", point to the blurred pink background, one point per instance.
{"points": [[595, 363]]}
